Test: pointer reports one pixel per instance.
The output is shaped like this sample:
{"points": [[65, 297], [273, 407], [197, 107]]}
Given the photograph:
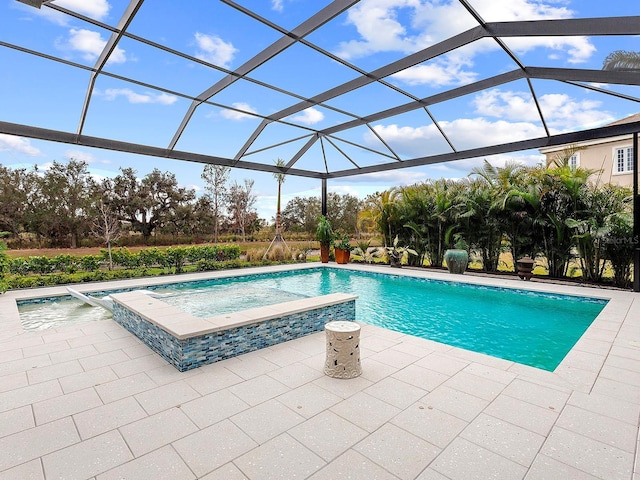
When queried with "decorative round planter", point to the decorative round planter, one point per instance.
{"points": [[342, 256], [525, 267], [324, 253], [457, 260]]}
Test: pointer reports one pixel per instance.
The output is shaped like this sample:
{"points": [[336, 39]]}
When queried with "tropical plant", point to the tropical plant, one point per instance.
{"points": [[591, 226], [362, 249], [280, 178], [622, 60], [342, 242], [503, 214], [442, 219], [324, 232], [381, 210], [417, 204], [619, 246], [395, 253], [480, 220]]}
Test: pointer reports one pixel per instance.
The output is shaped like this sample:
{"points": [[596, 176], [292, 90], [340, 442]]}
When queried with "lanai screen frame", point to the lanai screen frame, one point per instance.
{"points": [[497, 31]]}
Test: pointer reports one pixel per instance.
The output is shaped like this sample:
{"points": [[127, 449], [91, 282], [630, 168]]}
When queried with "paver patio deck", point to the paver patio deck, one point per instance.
{"points": [[91, 401]]}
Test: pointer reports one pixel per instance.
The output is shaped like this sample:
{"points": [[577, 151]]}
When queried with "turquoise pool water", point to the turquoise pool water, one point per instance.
{"points": [[535, 329], [519, 325]]}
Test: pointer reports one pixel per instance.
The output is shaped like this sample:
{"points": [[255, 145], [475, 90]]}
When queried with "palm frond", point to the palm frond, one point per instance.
{"points": [[622, 60]]}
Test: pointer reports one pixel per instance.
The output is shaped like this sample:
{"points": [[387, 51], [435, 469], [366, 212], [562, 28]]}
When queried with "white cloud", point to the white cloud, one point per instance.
{"points": [[133, 97], [90, 44], [380, 30], [309, 116], [465, 166], [83, 156], [578, 49], [235, 115], [277, 5], [10, 143], [213, 49], [561, 111], [407, 26], [390, 177], [98, 9], [465, 133], [437, 73]]}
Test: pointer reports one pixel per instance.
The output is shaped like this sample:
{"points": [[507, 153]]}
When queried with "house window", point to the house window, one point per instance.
{"points": [[574, 163], [623, 160]]}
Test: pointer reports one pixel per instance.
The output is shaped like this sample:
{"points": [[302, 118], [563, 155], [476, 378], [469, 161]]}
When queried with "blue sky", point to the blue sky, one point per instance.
{"points": [[373, 33]]}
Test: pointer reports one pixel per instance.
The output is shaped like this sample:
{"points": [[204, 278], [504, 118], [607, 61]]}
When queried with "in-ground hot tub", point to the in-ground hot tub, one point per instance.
{"points": [[187, 341]]}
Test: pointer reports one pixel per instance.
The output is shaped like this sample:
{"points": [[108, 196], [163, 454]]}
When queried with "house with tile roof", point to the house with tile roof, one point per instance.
{"points": [[612, 158]]}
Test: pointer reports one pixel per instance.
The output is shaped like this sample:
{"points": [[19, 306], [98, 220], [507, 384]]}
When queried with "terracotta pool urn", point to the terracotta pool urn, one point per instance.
{"points": [[525, 267]]}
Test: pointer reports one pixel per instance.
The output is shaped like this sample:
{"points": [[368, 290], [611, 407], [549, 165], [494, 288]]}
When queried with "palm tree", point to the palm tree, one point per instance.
{"points": [[280, 178], [382, 210], [622, 60]]}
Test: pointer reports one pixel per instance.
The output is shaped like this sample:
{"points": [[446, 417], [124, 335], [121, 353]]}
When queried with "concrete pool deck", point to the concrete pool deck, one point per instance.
{"points": [[92, 401]]}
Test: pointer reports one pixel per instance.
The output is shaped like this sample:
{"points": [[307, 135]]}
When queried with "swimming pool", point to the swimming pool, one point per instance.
{"points": [[536, 329]]}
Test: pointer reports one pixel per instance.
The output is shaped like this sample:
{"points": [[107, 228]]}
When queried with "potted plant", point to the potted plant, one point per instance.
{"points": [[342, 248], [324, 235], [457, 258], [396, 253]]}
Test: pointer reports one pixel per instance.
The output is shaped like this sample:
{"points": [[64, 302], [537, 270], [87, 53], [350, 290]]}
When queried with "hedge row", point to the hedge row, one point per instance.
{"points": [[173, 257], [43, 280]]}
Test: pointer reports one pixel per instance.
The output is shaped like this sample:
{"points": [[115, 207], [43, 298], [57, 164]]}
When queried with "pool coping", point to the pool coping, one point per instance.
{"points": [[183, 325], [578, 370]]}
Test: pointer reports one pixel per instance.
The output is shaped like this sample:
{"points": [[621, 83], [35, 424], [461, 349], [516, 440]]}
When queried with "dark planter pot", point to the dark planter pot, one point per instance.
{"points": [[342, 256], [457, 260], [525, 267], [395, 262], [324, 253]]}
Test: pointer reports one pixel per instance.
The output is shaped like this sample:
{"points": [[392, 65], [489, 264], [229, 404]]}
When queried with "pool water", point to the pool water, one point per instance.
{"points": [[535, 329], [58, 312], [522, 326], [223, 298]]}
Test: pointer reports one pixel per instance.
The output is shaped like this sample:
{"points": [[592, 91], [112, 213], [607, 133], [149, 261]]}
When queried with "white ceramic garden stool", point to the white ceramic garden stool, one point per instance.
{"points": [[343, 349]]}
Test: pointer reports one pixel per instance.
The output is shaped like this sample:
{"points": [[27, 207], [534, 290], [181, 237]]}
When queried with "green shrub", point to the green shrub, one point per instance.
{"points": [[18, 266], [152, 257], [229, 252], [176, 257], [90, 263], [64, 263], [40, 264], [123, 257]]}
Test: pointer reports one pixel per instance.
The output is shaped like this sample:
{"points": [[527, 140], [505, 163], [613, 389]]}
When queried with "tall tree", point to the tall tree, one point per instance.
{"points": [[301, 214], [343, 212], [216, 177], [148, 203], [241, 205], [15, 185], [105, 223], [280, 178], [278, 238], [66, 197]]}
